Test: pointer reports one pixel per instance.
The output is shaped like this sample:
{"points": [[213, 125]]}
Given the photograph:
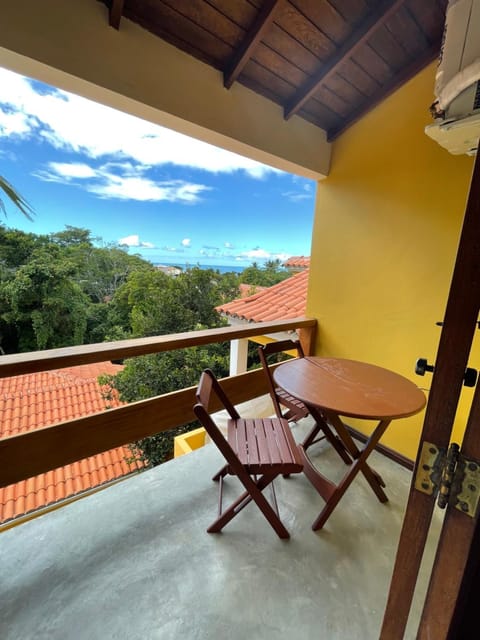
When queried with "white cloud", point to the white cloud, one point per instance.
{"points": [[72, 123], [186, 242], [72, 170], [228, 245], [261, 254], [134, 241], [128, 183]]}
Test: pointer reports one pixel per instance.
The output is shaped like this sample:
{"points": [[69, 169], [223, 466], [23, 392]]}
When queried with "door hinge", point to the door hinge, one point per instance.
{"points": [[450, 477]]}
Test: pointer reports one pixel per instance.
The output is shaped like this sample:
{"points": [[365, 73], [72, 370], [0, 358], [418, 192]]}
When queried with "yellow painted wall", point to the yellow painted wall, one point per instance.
{"points": [[188, 442], [387, 225]]}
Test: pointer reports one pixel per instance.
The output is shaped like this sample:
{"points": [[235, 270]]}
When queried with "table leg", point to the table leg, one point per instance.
{"points": [[321, 425], [359, 464]]}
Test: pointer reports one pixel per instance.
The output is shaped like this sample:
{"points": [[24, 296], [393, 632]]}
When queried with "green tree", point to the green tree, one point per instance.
{"points": [[161, 373], [272, 273], [46, 306]]}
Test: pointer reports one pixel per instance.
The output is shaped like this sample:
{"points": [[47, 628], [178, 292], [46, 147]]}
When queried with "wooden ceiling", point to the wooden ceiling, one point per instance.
{"points": [[328, 61]]}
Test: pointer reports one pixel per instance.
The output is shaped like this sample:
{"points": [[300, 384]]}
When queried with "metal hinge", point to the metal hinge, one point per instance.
{"points": [[450, 477]]}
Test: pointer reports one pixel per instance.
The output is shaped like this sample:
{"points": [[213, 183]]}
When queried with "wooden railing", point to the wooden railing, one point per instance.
{"points": [[28, 454]]}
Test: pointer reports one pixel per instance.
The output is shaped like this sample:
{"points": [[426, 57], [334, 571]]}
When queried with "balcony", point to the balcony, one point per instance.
{"points": [[134, 560]]}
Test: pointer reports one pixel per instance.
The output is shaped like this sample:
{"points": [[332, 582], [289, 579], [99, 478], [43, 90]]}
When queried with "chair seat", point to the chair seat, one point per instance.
{"points": [[264, 445], [298, 409]]}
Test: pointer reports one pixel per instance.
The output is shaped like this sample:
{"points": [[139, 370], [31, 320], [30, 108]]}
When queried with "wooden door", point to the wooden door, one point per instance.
{"points": [[452, 575]]}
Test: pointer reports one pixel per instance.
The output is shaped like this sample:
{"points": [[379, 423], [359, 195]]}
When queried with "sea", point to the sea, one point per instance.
{"points": [[216, 267]]}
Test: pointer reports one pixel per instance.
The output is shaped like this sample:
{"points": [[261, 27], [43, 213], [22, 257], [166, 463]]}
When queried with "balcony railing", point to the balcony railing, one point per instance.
{"points": [[28, 454]]}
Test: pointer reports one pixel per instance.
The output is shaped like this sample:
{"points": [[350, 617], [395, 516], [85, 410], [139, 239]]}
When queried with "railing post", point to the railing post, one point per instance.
{"points": [[307, 337], [238, 356]]}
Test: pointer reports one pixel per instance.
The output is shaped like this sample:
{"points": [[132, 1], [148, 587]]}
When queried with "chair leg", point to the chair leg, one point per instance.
{"points": [[253, 492], [220, 474]]}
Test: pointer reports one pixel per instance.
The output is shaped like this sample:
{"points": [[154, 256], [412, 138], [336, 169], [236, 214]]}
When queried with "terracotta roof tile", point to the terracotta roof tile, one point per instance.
{"points": [[32, 401], [284, 300], [296, 262]]}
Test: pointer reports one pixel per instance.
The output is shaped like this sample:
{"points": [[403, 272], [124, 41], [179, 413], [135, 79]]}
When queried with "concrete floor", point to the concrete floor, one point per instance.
{"points": [[134, 561]]}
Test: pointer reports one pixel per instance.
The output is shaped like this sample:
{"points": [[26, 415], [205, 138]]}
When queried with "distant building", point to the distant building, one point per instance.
{"points": [[169, 269]]}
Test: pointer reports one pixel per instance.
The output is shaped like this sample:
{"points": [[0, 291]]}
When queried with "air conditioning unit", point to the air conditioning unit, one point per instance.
{"points": [[457, 84]]}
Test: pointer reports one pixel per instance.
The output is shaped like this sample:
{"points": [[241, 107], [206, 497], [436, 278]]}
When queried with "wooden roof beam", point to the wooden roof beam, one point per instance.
{"points": [[372, 22], [115, 15], [395, 83], [244, 52]]}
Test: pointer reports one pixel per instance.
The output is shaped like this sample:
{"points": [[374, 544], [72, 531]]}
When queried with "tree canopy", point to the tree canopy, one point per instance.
{"points": [[67, 289]]}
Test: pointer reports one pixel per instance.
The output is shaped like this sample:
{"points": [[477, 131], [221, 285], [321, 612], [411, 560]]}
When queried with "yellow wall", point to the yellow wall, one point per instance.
{"points": [[387, 225], [188, 442]]}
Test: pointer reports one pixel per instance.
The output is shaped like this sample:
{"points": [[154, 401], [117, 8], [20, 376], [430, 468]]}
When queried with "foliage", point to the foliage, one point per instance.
{"points": [[272, 273], [18, 201], [66, 288], [161, 373], [47, 308]]}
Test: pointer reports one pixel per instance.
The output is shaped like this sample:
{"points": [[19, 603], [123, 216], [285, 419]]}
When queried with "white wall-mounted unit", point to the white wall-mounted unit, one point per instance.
{"points": [[457, 85]]}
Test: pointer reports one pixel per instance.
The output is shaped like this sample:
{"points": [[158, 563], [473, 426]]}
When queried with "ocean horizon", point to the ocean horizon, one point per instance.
{"points": [[222, 268]]}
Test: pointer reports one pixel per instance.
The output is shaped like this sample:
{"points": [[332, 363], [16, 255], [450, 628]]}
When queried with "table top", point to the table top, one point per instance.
{"points": [[350, 388]]}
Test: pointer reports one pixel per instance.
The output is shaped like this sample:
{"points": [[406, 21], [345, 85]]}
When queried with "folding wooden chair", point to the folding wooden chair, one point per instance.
{"points": [[295, 408], [256, 450]]}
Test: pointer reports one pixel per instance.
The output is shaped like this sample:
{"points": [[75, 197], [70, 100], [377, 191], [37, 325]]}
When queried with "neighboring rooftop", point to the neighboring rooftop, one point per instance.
{"points": [[36, 400], [297, 262], [284, 300], [249, 289]]}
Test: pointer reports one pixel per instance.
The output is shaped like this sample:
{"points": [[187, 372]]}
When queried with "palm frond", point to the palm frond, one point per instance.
{"points": [[18, 200]]}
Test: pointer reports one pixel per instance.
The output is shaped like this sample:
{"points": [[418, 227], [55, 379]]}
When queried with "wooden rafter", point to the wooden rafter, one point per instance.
{"points": [[372, 22], [395, 83], [262, 22], [115, 15]]}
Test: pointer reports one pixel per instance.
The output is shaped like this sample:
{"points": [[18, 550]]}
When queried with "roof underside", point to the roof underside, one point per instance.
{"points": [[327, 61]]}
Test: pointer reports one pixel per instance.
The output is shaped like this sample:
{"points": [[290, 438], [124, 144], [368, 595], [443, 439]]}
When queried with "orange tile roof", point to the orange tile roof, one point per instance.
{"points": [[31, 401], [297, 262], [249, 289], [284, 300]]}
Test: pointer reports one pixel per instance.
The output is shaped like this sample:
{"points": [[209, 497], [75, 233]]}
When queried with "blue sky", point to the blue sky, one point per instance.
{"points": [[168, 197]]}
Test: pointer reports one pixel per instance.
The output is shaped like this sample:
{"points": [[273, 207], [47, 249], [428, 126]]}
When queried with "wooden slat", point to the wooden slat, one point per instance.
{"points": [[283, 446], [397, 81], [407, 32], [262, 446], [291, 49], [372, 63], [32, 362], [365, 84], [26, 455], [263, 20], [115, 14], [241, 439], [327, 18], [255, 456], [371, 24], [273, 449], [303, 30], [239, 11], [181, 32]]}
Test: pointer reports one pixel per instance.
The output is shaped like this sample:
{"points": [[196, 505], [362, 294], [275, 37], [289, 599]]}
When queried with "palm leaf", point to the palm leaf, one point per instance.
{"points": [[16, 199]]}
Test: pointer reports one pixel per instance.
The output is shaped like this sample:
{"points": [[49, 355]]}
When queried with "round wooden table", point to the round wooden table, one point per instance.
{"points": [[334, 387]]}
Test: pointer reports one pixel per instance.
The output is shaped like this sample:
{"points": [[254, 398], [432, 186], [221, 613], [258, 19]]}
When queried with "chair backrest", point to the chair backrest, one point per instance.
{"points": [[269, 349], [209, 389]]}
